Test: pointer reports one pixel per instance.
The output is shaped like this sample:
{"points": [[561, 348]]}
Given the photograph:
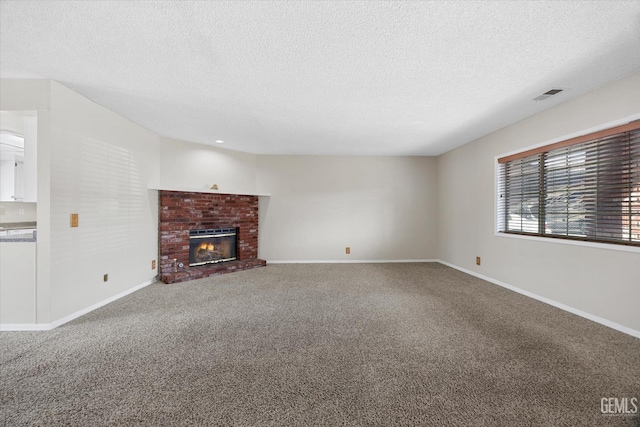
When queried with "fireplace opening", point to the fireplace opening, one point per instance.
{"points": [[212, 246]]}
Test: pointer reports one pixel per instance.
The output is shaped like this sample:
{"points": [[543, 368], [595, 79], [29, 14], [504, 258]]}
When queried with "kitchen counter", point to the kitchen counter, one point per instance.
{"points": [[18, 231], [19, 235], [17, 225]]}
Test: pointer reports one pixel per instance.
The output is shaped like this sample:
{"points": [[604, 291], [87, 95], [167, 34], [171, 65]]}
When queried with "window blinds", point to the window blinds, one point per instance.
{"points": [[588, 189]]}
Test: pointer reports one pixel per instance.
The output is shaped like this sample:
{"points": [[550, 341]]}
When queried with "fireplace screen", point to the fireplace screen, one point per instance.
{"points": [[212, 246]]}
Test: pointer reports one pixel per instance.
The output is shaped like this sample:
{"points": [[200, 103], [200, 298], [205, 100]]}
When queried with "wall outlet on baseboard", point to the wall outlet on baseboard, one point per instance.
{"points": [[153, 264], [106, 277], [477, 260], [347, 250]]}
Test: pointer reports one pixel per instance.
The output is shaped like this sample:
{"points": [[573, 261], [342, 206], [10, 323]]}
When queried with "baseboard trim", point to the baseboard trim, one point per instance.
{"points": [[13, 327], [342, 261], [72, 316], [561, 306]]}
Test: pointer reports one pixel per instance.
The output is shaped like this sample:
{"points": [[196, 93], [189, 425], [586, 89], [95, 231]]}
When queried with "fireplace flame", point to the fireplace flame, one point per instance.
{"points": [[206, 247]]}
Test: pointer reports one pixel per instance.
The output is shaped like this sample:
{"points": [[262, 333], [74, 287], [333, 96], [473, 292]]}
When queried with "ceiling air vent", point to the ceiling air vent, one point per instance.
{"points": [[547, 94]]}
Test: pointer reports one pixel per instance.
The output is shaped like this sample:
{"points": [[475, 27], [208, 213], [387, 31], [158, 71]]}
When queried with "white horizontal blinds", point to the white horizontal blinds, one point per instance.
{"points": [[635, 125], [566, 200], [631, 225], [612, 179], [521, 183], [587, 190]]}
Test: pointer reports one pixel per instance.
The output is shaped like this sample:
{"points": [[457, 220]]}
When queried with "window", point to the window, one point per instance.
{"points": [[585, 188]]}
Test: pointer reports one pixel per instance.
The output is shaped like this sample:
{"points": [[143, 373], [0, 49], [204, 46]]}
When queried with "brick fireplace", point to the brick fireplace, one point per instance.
{"points": [[181, 212]]}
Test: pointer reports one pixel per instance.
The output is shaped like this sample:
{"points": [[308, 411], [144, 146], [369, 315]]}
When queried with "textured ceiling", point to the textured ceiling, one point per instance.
{"points": [[297, 77]]}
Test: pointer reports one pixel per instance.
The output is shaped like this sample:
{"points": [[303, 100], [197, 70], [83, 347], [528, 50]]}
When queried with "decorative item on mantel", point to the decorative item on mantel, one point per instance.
{"points": [[214, 187]]}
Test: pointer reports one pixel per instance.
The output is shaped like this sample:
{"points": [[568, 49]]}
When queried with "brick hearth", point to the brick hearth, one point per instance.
{"points": [[181, 212]]}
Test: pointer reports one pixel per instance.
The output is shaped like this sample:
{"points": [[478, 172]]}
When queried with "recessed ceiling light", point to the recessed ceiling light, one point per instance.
{"points": [[219, 141]]}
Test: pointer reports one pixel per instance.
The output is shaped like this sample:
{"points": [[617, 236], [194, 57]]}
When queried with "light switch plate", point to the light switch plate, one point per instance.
{"points": [[74, 220]]}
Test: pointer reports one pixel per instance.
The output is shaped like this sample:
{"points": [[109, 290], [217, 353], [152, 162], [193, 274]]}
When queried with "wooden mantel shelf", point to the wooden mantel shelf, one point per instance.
{"points": [[207, 190]]}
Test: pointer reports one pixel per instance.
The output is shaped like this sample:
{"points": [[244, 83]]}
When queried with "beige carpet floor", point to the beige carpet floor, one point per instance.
{"points": [[320, 345]]}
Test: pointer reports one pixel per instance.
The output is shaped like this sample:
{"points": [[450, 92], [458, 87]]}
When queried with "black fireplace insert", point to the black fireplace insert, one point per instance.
{"points": [[212, 246]]}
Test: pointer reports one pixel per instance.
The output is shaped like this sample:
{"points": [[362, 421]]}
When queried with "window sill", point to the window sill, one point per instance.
{"points": [[609, 246]]}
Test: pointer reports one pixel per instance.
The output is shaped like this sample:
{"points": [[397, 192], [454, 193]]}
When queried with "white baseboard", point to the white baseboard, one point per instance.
{"points": [[600, 320], [72, 316], [344, 261], [25, 326], [597, 319]]}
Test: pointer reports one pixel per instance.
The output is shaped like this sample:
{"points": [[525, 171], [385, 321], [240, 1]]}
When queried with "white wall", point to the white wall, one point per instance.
{"points": [[101, 165], [599, 281], [18, 212], [383, 208], [190, 166], [12, 121]]}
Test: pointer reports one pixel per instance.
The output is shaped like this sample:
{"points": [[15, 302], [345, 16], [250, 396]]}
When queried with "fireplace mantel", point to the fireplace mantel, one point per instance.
{"points": [[208, 191]]}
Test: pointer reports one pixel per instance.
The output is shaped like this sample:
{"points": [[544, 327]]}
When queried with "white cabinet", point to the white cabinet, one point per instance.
{"points": [[17, 282], [18, 156]]}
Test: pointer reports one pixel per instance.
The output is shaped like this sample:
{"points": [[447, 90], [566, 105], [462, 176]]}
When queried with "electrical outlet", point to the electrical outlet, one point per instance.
{"points": [[106, 277], [74, 221], [3, 211], [153, 264], [20, 211], [477, 260], [347, 250]]}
